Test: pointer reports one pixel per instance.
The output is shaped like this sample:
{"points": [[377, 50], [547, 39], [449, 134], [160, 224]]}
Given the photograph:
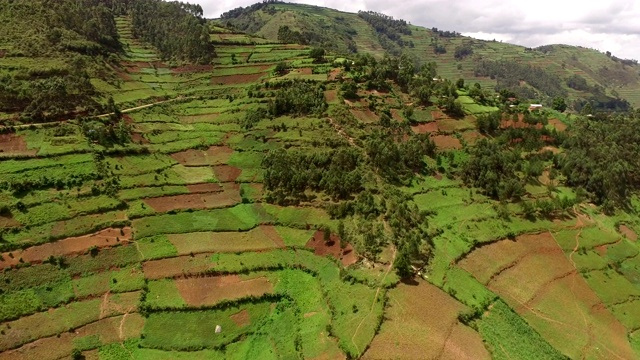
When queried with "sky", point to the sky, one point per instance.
{"points": [[612, 25]]}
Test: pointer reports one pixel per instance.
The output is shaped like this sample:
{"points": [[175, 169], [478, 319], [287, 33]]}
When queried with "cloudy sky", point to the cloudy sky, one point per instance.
{"points": [[612, 25]]}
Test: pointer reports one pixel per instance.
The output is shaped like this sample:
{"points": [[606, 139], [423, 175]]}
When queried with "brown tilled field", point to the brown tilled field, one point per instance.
{"points": [[321, 248], [422, 323], [430, 127], [446, 142], [215, 155], [13, 144], [70, 246], [236, 79], [177, 266], [533, 275], [230, 195], [559, 125], [207, 291], [259, 238], [628, 233]]}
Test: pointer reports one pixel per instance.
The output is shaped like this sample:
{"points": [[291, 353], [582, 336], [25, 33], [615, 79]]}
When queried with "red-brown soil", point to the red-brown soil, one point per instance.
{"points": [[70, 246], [331, 95], [192, 69], [395, 114], [423, 128], [204, 188], [347, 255], [236, 79], [207, 291], [15, 145], [628, 233], [226, 173], [535, 277], [446, 142], [230, 195], [333, 74], [7, 222], [215, 155], [472, 136], [177, 266], [241, 319], [415, 332], [559, 125], [438, 115]]}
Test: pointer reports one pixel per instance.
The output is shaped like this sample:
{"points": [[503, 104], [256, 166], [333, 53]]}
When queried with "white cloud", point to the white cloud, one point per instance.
{"points": [[606, 25]]}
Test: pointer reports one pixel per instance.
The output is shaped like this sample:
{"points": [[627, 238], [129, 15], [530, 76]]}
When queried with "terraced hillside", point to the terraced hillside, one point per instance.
{"points": [[271, 204], [456, 56]]}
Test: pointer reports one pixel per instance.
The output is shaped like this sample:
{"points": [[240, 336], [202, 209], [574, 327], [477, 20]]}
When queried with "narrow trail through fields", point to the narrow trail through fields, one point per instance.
{"points": [[341, 132], [375, 299]]}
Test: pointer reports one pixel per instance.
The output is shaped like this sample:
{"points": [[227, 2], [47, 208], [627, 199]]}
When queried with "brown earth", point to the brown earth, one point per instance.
{"points": [[236, 79], [242, 318], [347, 255], [333, 74], [192, 69], [219, 199], [438, 115], [535, 277], [60, 346], [446, 142], [396, 115], [365, 115], [331, 95], [207, 291], [424, 332], [559, 125], [177, 266], [204, 188], [70, 246], [472, 136], [423, 128], [15, 145], [7, 222], [628, 233], [215, 155], [226, 173]]}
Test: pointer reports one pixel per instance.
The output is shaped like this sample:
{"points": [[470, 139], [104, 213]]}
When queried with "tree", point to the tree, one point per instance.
{"points": [[317, 54], [281, 68], [559, 104], [460, 83]]}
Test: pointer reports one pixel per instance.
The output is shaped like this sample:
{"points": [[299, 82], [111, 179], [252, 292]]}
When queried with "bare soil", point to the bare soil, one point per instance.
{"points": [[418, 332], [430, 127], [242, 318], [559, 125], [215, 155], [192, 69], [15, 145], [228, 197], [321, 248], [177, 266], [331, 95], [236, 79], [207, 291], [333, 74], [70, 246], [204, 188], [628, 233], [227, 173], [446, 142]]}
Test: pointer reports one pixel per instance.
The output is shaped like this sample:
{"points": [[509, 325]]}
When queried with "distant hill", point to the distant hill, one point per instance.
{"points": [[582, 75]]}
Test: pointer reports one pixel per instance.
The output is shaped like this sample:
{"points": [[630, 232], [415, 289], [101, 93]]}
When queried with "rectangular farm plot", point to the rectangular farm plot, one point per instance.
{"points": [[259, 238], [215, 155], [228, 196], [207, 291]]}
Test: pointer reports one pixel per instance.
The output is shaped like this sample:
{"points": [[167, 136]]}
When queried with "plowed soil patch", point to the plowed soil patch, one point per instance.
{"points": [[430, 127], [331, 95], [333, 74], [395, 114], [321, 248], [366, 116], [229, 196], [472, 136], [6, 222], [559, 125], [192, 69], [535, 277], [242, 318], [438, 115], [177, 266], [446, 142], [626, 231], [417, 332], [236, 79], [260, 238], [204, 188], [215, 155], [207, 291], [517, 125], [15, 145], [227, 173], [61, 346], [70, 246]]}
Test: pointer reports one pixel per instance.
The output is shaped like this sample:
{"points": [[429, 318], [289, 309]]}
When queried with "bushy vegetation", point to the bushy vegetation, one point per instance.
{"points": [[509, 74]]}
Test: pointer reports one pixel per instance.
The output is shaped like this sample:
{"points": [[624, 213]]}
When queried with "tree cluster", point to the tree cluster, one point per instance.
{"points": [[389, 30], [298, 98], [176, 29], [509, 74]]}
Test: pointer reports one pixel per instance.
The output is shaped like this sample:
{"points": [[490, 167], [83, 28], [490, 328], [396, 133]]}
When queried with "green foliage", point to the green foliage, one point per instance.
{"points": [[510, 73], [298, 98], [176, 29]]}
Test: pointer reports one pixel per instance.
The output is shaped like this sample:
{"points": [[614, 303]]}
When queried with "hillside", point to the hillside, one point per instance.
{"points": [[581, 74], [222, 195]]}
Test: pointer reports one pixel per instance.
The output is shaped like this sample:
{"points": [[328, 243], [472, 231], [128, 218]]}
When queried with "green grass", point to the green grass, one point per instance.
{"points": [[508, 336], [294, 237], [164, 294], [197, 328], [156, 247]]}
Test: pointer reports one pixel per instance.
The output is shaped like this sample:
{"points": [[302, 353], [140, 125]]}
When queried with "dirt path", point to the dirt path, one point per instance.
{"points": [[341, 132], [124, 111], [375, 299]]}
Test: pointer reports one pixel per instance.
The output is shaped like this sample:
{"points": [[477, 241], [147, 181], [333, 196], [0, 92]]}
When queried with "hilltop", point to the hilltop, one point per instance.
{"points": [[577, 73], [204, 192]]}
